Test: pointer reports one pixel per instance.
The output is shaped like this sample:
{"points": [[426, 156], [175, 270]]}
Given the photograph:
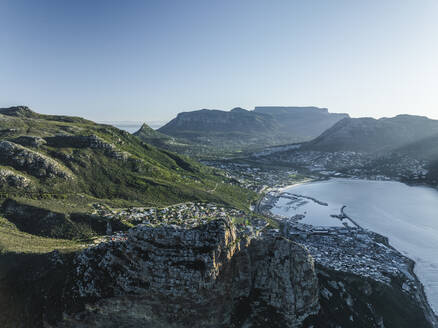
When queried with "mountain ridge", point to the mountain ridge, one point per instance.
{"points": [[240, 129], [371, 135], [98, 160]]}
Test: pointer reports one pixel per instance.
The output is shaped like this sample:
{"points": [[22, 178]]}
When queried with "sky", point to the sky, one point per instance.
{"points": [[131, 60]]}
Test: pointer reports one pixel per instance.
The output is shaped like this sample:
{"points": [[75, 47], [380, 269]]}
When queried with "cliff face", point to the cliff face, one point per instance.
{"points": [[206, 276], [349, 301], [202, 277], [32, 162]]}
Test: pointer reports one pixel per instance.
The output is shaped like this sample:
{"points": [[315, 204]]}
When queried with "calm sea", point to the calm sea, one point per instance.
{"points": [[407, 215]]}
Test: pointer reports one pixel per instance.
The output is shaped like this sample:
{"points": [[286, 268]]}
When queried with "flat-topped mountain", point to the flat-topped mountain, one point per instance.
{"points": [[241, 129], [371, 135], [304, 122]]}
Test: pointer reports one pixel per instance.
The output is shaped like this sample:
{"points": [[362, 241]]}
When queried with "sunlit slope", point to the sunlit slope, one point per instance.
{"points": [[44, 155]]}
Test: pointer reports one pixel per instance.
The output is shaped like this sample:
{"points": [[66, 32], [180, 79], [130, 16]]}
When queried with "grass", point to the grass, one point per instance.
{"points": [[54, 209], [150, 176], [14, 241]]}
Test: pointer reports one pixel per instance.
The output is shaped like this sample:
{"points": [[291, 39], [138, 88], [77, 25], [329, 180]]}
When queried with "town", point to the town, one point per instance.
{"points": [[350, 164], [344, 247], [259, 177]]}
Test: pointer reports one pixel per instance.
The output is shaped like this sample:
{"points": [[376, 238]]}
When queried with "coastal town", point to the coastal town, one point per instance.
{"points": [[346, 248], [350, 164], [259, 177], [342, 246], [259, 174]]}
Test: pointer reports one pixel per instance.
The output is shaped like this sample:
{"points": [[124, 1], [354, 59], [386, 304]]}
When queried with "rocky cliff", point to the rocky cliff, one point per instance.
{"points": [[10, 178], [32, 162], [167, 276], [210, 275], [201, 277]]}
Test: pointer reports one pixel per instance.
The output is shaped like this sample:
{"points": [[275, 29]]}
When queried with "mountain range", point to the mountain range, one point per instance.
{"points": [[186, 251], [241, 129], [378, 135], [205, 133]]}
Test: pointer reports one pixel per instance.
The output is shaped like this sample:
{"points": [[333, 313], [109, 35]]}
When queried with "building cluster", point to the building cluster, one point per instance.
{"points": [[354, 250], [185, 216], [257, 177], [345, 248], [352, 164]]}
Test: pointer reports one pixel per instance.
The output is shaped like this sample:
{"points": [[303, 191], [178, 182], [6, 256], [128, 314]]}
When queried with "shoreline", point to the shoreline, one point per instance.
{"points": [[423, 298]]}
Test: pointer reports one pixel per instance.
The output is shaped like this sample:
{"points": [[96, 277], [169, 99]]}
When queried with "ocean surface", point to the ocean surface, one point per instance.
{"points": [[131, 128], [407, 215]]}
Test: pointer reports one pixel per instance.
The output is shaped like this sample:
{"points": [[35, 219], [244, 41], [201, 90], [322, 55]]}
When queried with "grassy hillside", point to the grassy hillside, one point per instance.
{"points": [[101, 161], [56, 172], [58, 166]]}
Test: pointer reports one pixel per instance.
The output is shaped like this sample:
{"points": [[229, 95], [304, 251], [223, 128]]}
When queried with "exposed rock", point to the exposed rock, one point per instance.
{"points": [[30, 141], [202, 277], [93, 141], [350, 301], [31, 161], [13, 179], [18, 111]]}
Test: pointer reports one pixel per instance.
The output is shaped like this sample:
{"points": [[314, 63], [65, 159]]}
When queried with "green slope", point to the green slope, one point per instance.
{"points": [[65, 164]]}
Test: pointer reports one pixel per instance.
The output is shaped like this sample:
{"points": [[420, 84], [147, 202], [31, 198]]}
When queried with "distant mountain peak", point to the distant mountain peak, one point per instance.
{"points": [[145, 127], [148, 134]]}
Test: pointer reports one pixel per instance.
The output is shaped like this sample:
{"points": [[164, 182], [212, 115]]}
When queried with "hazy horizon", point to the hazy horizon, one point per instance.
{"points": [[149, 60]]}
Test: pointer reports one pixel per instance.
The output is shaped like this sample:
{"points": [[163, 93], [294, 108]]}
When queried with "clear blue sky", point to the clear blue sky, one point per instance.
{"points": [[148, 60]]}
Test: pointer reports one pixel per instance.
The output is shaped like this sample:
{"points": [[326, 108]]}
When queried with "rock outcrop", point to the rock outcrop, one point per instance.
{"points": [[206, 276], [349, 301], [30, 161], [12, 179], [30, 141], [18, 111], [93, 142], [201, 277]]}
